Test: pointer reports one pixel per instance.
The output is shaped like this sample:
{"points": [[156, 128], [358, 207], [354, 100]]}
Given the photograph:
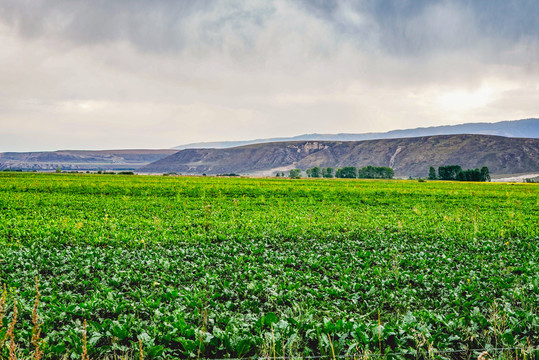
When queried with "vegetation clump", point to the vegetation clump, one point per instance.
{"points": [[351, 172], [374, 172], [295, 174], [314, 172], [317, 172], [327, 173], [347, 172], [455, 172]]}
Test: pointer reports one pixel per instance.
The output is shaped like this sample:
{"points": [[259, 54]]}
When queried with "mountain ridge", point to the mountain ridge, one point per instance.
{"points": [[281, 157], [408, 156], [524, 128]]}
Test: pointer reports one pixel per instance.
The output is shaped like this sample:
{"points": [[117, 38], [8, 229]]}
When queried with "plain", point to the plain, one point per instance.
{"points": [[233, 267]]}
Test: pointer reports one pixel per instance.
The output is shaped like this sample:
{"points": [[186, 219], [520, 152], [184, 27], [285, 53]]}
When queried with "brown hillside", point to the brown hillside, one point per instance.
{"points": [[407, 156]]}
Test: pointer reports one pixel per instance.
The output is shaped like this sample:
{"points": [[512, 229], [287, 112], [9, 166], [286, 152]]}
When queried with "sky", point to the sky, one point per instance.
{"points": [[105, 74]]}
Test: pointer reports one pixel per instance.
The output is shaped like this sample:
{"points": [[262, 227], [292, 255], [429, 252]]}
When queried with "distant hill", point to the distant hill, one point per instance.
{"points": [[81, 159], [407, 156], [528, 128]]}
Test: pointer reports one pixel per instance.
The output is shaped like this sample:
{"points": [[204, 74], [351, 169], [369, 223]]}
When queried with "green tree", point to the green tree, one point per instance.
{"points": [[485, 174], [347, 172], [455, 172], [295, 174], [58, 169], [316, 172], [469, 175], [432, 173], [449, 172], [386, 172], [373, 172], [308, 172], [327, 173], [475, 175]]}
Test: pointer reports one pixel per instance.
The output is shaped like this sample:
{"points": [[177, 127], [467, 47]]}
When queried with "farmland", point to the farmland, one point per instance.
{"points": [[231, 267]]}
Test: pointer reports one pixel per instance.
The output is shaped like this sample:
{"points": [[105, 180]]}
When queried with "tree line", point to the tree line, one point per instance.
{"points": [[447, 172], [455, 172], [347, 172]]}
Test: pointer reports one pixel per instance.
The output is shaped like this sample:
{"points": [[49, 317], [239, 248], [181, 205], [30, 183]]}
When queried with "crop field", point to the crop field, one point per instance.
{"points": [[203, 267]]}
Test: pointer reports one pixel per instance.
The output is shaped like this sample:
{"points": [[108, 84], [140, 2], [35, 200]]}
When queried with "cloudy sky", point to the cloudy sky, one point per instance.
{"points": [[104, 74]]}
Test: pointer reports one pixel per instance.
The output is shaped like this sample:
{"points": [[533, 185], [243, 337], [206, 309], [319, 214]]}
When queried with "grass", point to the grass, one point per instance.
{"points": [[167, 267]]}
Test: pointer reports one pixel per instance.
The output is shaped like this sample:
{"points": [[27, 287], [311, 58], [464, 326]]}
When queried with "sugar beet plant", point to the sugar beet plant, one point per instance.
{"points": [[172, 267]]}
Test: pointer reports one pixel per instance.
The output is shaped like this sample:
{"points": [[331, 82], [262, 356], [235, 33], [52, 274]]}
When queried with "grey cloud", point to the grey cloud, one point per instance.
{"points": [[154, 25], [510, 19], [158, 26], [399, 28], [421, 27]]}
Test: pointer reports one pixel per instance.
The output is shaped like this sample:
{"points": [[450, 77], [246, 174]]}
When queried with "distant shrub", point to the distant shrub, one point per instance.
{"points": [[376, 172], [347, 172], [432, 173], [327, 173], [455, 172], [469, 175], [295, 174], [126, 173], [314, 172], [449, 172], [485, 174]]}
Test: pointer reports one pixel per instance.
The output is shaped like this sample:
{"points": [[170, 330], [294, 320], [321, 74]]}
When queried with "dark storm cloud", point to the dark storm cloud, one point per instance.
{"points": [[397, 27], [417, 27]]}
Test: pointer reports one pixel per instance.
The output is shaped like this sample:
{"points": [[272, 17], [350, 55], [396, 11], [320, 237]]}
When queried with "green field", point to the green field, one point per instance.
{"points": [[231, 267]]}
